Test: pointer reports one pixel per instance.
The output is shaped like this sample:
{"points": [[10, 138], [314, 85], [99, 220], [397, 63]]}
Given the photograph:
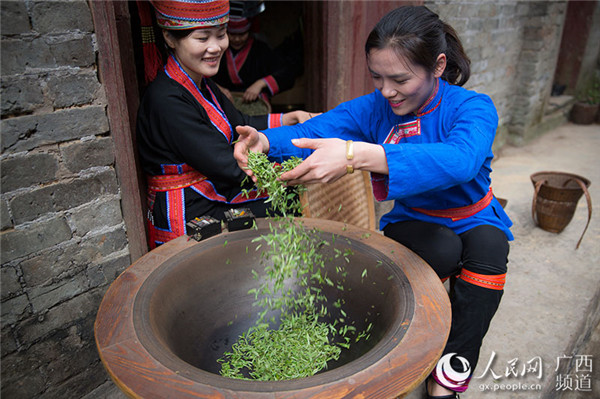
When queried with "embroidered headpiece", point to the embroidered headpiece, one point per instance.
{"points": [[190, 14], [238, 25]]}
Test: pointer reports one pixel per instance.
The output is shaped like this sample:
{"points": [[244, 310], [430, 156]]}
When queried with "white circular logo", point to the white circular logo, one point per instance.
{"points": [[444, 371]]}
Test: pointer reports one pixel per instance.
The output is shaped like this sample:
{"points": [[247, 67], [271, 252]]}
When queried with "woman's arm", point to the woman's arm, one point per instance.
{"points": [[330, 160], [327, 157]]}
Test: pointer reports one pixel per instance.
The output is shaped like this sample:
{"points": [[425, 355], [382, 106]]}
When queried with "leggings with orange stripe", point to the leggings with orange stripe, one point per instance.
{"points": [[480, 256]]}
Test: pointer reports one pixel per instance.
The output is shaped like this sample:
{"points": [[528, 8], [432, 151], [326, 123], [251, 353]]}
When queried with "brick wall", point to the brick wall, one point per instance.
{"points": [[513, 48], [63, 239]]}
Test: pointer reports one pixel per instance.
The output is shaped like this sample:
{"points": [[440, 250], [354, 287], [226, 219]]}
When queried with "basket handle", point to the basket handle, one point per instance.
{"points": [[538, 185], [589, 205]]}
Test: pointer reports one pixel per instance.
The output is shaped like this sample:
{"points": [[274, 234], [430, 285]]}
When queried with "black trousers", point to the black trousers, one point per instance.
{"points": [[482, 250]]}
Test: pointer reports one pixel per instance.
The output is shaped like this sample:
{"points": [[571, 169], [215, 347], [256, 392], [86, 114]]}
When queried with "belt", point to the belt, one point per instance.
{"points": [[174, 182], [462, 212]]}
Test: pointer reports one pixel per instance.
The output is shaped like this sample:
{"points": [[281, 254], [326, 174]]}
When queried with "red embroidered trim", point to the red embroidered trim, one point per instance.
{"points": [[158, 236], [190, 11], [426, 103], [275, 120], [175, 216], [272, 84], [403, 130], [236, 62], [214, 111], [175, 181]]}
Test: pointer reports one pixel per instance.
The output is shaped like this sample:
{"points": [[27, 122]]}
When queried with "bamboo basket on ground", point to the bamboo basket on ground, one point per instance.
{"points": [[555, 199]]}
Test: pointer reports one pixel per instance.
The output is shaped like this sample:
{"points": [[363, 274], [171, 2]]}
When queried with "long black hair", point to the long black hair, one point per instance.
{"points": [[419, 35]]}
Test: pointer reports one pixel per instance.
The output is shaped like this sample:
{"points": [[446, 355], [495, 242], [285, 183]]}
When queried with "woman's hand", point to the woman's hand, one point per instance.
{"points": [[294, 117], [249, 140], [328, 162], [252, 92], [325, 165]]}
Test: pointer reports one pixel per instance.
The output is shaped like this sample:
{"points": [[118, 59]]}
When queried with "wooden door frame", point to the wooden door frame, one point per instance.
{"points": [[116, 66], [335, 35]]}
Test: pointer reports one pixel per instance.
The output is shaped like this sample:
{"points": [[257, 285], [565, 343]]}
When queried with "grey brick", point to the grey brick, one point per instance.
{"points": [[113, 267], [32, 53], [28, 170], [74, 258], [60, 317], [96, 215], [9, 282], [107, 243], [80, 383], [5, 220], [60, 16], [62, 196], [22, 377], [80, 155], [21, 96], [15, 309], [73, 373], [7, 341], [105, 272], [69, 90], [14, 18], [38, 236], [538, 8], [487, 10], [45, 297], [57, 263], [57, 358], [74, 52], [28, 132], [15, 129], [25, 54], [95, 276]]}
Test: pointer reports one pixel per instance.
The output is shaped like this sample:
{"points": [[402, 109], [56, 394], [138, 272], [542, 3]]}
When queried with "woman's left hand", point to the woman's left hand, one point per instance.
{"points": [[251, 94], [325, 165]]}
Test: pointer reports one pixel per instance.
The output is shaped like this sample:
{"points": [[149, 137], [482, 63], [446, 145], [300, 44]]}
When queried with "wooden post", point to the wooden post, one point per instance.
{"points": [[336, 33], [115, 62]]}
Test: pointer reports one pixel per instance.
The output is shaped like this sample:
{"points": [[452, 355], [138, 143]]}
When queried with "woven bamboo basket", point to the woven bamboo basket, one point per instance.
{"points": [[258, 107], [347, 200], [555, 199]]}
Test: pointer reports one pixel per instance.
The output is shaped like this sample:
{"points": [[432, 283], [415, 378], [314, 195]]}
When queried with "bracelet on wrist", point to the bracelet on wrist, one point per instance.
{"points": [[349, 156]]}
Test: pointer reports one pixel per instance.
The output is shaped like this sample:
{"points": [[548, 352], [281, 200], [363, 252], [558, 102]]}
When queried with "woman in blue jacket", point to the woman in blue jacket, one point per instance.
{"points": [[427, 143]]}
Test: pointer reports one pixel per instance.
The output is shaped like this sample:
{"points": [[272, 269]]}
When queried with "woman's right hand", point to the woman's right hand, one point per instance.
{"points": [[249, 139]]}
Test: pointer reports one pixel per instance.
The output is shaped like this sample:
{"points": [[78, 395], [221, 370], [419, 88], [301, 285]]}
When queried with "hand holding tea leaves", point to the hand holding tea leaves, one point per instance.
{"points": [[249, 139], [284, 199]]}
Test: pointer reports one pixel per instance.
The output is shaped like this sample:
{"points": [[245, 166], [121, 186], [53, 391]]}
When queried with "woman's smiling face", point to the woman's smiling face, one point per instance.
{"points": [[200, 52], [405, 85]]}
